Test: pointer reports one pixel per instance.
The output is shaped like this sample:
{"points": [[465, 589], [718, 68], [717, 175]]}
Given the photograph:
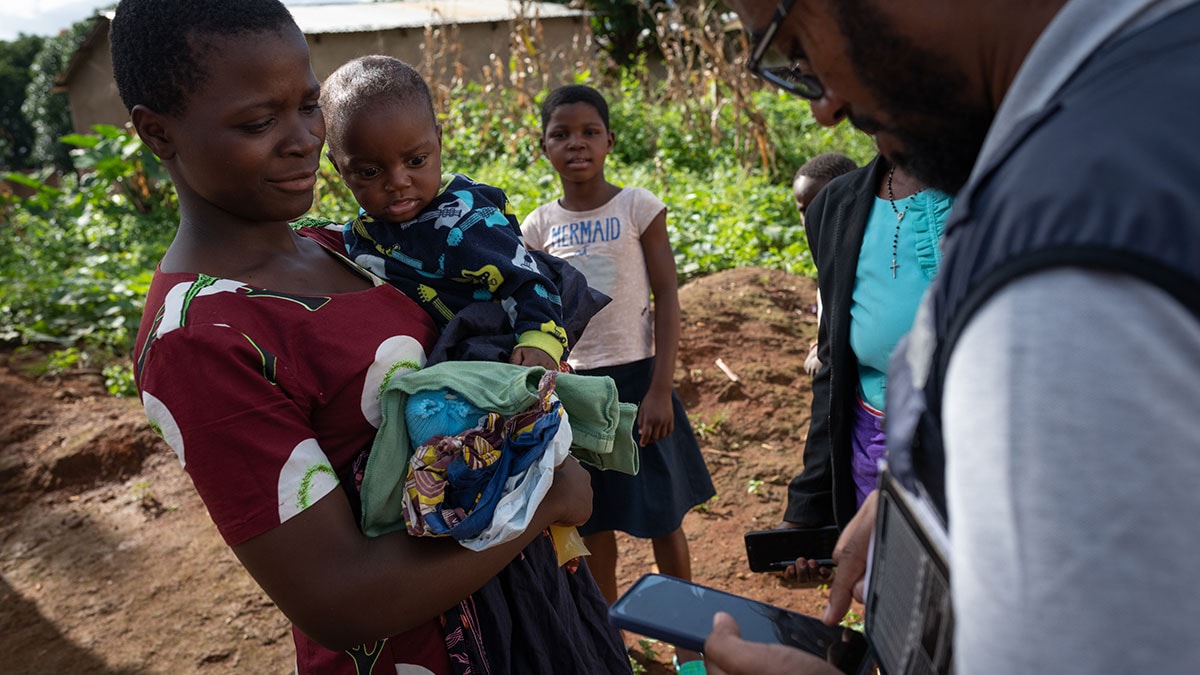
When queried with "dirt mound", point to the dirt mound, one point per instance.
{"points": [[109, 563], [758, 323], [65, 432]]}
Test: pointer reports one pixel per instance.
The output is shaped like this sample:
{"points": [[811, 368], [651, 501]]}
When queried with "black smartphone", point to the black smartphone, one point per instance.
{"points": [[680, 613], [773, 550]]}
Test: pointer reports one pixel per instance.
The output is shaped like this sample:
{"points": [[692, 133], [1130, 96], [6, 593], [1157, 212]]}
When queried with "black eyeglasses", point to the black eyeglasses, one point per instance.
{"points": [[787, 74]]}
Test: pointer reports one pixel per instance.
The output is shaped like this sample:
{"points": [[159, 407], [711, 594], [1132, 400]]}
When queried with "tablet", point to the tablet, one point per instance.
{"points": [[680, 613]]}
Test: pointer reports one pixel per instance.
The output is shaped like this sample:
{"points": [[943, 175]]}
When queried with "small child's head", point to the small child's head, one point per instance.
{"points": [[575, 133], [223, 92], [571, 94], [384, 138], [815, 174]]}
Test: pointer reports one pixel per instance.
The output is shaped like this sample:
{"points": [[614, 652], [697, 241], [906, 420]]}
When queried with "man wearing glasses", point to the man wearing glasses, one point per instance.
{"points": [[1045, 400]]}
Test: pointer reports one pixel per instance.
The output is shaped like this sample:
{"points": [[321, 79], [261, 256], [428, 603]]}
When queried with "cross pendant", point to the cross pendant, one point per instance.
{"points": [[894, 266]]}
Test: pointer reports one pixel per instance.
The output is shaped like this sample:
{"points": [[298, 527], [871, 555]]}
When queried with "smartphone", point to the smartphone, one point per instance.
{"points": [[680, 613], [773, 550]]}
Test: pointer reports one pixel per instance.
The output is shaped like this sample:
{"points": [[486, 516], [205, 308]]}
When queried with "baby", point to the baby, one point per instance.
{"points": [[445, 240]]}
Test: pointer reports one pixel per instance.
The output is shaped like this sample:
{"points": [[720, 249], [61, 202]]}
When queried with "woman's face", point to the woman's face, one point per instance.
{"points": [[248, 145]]}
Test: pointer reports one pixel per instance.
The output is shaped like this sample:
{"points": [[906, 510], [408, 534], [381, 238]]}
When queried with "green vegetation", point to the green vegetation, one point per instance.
{"points": [[78, 248], [76, 258], [708, 427], [854, 621], [16, 135], [32, 115], [44, 109], [646, 650]]}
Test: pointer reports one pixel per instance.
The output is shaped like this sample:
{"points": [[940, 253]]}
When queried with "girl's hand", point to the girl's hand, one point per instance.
{"points": [[570, 496], [655, 418]]}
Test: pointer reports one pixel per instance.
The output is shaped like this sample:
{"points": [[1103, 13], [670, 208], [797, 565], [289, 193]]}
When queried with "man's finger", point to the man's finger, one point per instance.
{"points": [[725, 639], [851, 557], [726, 653]]}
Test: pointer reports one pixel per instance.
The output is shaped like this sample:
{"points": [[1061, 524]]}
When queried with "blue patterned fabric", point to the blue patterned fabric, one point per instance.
{"points": [[464, 248]]}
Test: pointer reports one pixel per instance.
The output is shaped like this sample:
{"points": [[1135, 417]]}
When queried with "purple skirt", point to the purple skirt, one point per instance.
{"points": [[870, 446]]}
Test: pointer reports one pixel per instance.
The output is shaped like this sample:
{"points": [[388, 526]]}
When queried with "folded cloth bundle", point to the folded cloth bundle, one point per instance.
{"points": [[601, 427], [483, 484]]}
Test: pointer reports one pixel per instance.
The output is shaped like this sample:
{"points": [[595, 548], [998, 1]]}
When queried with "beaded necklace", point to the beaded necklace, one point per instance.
{"points": [[899, 217]]}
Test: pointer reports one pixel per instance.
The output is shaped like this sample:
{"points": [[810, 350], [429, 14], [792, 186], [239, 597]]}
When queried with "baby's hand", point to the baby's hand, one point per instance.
{"points": [[532, 356]]}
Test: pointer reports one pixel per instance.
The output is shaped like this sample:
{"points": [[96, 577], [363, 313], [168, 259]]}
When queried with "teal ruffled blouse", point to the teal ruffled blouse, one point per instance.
{"points": [[883, 306]]}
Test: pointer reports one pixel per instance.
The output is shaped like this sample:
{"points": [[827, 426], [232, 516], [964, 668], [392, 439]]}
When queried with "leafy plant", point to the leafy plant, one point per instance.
{"points": [[647, 647], [704, 428], [63, 360], [44, 109], [78, 256], [118, 380], [705, 507], [147, 501], [16, 137], [854, 621]]}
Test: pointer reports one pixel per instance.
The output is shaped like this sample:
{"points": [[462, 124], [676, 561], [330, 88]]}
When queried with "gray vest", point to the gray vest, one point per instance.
{"points": [[1107, 178]]}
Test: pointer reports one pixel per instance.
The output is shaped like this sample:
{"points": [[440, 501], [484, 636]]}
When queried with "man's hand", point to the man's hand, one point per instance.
{"points": [[850, 554], [726, 653]]}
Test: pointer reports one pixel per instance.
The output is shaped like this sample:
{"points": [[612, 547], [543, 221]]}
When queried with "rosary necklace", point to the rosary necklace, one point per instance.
{"points": [[899, 218]]}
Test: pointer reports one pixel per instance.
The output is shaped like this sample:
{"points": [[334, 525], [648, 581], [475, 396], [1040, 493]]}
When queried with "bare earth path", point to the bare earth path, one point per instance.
{"points": [[110, 565]]}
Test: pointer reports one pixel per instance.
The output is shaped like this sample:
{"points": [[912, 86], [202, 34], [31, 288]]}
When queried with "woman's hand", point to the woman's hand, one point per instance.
{"points": [[570, 496], [807, 572]]}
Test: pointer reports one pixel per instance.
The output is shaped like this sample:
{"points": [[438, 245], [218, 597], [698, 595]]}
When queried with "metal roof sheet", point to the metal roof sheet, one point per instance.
{"points": [[374, 16], [315, 17]]}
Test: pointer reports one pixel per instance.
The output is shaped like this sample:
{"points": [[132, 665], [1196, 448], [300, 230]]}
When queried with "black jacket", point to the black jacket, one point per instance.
{"points": [[823, 494]]}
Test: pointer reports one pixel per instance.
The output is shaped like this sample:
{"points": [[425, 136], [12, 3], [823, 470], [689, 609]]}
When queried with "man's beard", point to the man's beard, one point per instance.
{"points": [[940, 132]]}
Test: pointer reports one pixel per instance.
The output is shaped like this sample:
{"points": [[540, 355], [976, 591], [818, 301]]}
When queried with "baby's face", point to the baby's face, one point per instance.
{"points": [[392, 160]]}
